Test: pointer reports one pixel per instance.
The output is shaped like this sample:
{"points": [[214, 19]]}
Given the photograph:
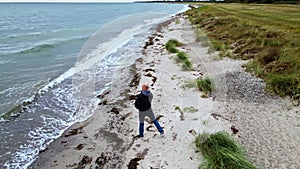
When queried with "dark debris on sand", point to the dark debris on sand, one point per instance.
{"points": [[108, 160], [74, 131], [133, 163]]}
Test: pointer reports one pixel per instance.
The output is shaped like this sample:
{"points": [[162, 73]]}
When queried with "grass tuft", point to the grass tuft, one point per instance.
{"points": [[172, 44], [181, 56], [221, 151], [186, 64], [205, 85]]}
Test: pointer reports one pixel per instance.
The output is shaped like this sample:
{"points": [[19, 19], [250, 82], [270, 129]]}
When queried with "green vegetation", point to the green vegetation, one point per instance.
{"points": [[178, 108], [186, 109], [263, 1], [190, 109], [172, 44], [205, 85], [191, 84], [267, 34], [186, 64], [181, 56], [221, 151]]}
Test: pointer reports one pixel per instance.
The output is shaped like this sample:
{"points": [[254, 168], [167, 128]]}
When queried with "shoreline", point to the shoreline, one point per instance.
{"points": [[25, 147], [79, 133], [107, 138]]}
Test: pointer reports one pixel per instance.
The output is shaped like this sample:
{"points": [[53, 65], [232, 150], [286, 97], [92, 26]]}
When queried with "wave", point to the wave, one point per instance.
{"points": [[18, 109], [37, 48], [15, 36], [54, 44], [46, 45]]}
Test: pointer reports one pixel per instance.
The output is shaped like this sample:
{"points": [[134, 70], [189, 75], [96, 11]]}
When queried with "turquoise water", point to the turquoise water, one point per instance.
{"points": [[39, 46]]}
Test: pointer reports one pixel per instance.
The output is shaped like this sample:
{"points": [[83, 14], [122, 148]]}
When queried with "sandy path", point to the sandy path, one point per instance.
{"points": [[268, 127]]}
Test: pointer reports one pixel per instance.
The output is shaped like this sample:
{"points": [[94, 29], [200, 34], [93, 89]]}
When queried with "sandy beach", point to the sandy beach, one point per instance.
{"points": [[267, 126]]}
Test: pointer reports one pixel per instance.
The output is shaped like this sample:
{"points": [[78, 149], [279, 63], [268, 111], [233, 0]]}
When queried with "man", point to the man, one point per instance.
{"points": [[143, 104]]}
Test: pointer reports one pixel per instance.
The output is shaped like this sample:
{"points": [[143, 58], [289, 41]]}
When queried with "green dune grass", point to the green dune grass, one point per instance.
{"points": [[172, 44], [221, 152], [267, 34], [181, 56], [205, 85]]}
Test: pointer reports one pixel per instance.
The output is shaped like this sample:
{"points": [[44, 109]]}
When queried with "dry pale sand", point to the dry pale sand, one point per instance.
{"points": [[267, 126]]}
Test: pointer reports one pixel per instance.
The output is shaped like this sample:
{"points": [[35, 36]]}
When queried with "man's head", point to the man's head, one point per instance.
{"points": [[145, 87]]}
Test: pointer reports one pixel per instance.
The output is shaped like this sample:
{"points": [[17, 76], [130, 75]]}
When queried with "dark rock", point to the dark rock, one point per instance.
{"points": [[234, 130]]}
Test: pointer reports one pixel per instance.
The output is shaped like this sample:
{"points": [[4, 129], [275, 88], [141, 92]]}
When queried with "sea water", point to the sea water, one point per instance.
{"points": [[55, 58]]}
